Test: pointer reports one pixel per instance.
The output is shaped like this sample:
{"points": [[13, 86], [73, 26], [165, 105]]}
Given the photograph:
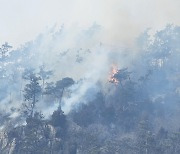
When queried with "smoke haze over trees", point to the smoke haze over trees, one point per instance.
{"points": [[101, 83], [108, 102]]}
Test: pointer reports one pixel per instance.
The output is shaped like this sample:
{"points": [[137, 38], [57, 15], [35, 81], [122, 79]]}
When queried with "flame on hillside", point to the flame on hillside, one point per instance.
{"points": [[114, 71]]}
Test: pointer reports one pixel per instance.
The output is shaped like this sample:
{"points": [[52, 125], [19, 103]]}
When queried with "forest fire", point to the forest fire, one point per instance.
{"points": [[113, 72]]}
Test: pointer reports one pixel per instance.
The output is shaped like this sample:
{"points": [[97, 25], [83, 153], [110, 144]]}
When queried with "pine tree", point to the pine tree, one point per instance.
{"points": [[31, 92], [57, 90]]}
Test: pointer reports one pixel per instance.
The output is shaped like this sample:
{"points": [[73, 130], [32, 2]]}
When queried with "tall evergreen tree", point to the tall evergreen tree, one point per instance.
{"points": [[31, 92]]}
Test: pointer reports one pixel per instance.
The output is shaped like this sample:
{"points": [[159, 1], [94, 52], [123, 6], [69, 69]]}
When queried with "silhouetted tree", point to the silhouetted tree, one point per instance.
{"points": [[57, 90], [31, 93]]}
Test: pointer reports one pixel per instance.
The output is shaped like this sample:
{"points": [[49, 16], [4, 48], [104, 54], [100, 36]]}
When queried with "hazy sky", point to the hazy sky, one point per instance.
{"points": [[122, 20]]}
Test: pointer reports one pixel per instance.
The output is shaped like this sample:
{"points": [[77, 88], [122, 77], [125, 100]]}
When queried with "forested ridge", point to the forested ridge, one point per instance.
{"points": [[132, 108]]}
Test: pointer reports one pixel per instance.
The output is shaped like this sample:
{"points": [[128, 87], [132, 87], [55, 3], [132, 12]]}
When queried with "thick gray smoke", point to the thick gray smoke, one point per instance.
{"points": [[78, 54], [74, 53], [99, 36]]}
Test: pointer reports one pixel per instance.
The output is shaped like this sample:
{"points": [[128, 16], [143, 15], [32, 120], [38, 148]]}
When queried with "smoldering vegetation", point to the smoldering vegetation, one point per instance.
{"points": [[68, 93]]}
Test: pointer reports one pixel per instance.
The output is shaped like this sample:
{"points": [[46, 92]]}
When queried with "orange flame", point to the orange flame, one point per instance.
{"points": [[113, 72]]}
